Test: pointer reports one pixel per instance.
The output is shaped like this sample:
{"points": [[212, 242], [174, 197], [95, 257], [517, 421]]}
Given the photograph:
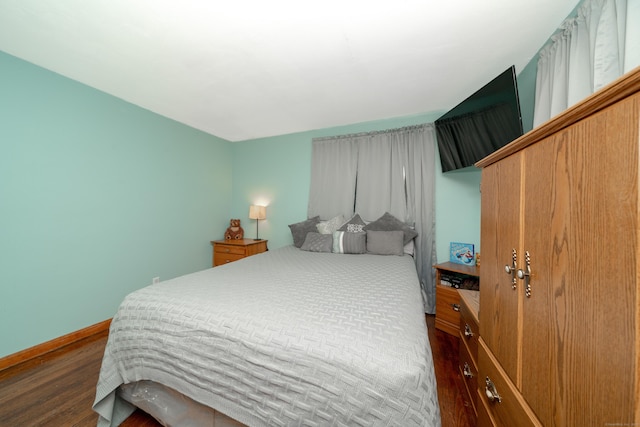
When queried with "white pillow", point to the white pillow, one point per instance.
{"points": [[328, 227]]}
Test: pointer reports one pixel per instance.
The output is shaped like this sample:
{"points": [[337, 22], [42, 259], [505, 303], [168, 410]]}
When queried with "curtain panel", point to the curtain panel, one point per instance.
{"points": [[588, 52], [373, 173]]}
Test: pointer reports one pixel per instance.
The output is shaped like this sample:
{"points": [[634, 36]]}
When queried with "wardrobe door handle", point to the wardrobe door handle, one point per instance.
{"points": [[526, 275], [511, 269]]}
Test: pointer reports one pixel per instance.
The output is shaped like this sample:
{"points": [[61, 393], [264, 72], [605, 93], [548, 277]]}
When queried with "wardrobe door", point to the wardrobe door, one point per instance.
{"points": [[546, 215], [500, 321], [580, 229]]}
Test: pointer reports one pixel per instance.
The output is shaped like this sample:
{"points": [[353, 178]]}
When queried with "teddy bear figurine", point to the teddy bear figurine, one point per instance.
{"points": [[234, 232]]}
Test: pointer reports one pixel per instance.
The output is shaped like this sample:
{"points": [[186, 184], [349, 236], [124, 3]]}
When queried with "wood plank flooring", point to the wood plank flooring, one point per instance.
{"points": [[58, 389]]}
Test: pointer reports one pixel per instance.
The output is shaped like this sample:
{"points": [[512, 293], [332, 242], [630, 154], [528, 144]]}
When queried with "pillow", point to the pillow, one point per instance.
{"points": [[354, 225], [349, 243], [409, 248], [316, 242], [385, 242], [388, 222], [299, 230], [328, 227]]}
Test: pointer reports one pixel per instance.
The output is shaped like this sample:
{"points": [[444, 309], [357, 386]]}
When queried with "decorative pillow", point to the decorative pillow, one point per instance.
{"points": [[385, 242], [409, 248], [354, 225], [349, 243], [316, 242], [388, 222], [299, 230], [328, 227]]}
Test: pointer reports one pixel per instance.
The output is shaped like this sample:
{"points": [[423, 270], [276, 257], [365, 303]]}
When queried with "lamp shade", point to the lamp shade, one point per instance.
{"points": [[257, 212]]}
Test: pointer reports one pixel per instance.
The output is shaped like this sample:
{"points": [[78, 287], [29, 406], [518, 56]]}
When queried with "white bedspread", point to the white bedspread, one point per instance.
{"points": [[284, 338]]}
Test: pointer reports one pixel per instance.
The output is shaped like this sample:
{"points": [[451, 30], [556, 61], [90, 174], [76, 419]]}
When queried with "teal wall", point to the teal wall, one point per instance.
{"points": [[97, 197]]}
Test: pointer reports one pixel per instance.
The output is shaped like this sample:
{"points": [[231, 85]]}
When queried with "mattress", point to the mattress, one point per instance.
{"points": [[283, 338]]}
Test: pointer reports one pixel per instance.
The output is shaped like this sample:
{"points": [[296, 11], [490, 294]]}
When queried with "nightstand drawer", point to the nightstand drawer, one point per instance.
{"points": [[220, 259], [447, 309], [228, 249]]}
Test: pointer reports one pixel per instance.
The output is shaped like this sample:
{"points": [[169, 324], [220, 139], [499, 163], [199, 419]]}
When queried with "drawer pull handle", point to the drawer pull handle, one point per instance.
{"points": [[227, 250], [467, 331], [511, 269], [227, 260], [467, 370], [492, 393], [456, 307]]}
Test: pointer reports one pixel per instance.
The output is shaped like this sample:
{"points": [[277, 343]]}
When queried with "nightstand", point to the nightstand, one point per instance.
{"points": [[226, 251], [448, 298]]}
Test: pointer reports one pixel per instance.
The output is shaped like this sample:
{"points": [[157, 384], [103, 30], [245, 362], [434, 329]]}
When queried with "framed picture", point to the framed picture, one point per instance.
{"points": [[462, 253]]}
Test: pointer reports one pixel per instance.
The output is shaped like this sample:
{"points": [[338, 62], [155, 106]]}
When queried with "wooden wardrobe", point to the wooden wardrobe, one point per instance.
{"points": [[559, 302]]}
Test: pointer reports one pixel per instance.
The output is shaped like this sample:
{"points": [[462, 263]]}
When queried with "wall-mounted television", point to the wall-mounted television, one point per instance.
{"points": [[481, 124]]}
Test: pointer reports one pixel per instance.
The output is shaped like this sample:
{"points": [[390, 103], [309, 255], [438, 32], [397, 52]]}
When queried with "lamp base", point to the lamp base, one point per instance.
{"points": [[257, 239]]}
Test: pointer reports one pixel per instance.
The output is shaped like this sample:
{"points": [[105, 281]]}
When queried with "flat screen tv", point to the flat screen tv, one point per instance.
{"points": [[481, 124]]}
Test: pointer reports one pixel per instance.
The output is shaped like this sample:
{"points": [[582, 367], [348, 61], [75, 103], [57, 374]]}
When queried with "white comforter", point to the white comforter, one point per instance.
{"points": [[284, 338]]}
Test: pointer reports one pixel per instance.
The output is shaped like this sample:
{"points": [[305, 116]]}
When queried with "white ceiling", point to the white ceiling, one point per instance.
{"points": [[249, 69]]}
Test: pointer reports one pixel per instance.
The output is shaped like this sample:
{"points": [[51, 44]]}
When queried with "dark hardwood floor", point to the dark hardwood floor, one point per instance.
{"points": [[58, 389]]}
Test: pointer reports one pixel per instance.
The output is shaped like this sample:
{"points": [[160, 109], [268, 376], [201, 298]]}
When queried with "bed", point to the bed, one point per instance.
{"points": [[284, 338]]}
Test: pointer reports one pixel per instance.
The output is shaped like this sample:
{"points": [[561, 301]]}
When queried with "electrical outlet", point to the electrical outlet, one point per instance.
{"points": [[156, 280]]}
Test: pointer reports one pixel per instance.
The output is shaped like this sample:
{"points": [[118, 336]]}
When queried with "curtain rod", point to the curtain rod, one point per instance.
{"points": [[372, 133]]}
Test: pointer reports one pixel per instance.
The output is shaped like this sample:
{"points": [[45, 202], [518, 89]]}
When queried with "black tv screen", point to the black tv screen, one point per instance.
{"points": [[481, 124]]}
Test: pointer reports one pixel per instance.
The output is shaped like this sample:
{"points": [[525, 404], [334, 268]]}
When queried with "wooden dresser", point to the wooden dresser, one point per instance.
{"points": [[559, 302], [226, 251]]}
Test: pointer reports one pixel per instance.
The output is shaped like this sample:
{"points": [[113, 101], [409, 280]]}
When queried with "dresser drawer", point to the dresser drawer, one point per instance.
{"points": [[228, 249], [510, 409], [469, 330], [469, 371]]}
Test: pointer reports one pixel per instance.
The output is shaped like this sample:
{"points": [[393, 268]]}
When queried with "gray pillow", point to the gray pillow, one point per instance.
{"points": [[388, 222], [299, 230], [316, 242], [385, 242], [354, 225], [349, 243]]}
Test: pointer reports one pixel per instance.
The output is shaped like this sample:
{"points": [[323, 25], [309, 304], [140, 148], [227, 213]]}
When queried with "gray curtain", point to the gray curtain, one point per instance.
{"points": [[588, 51], [333, 177], [390, 171]]}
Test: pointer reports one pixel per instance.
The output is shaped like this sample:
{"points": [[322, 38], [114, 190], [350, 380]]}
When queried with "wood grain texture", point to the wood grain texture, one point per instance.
{"points": [[60, 388], [500, 235], [570, 350]]}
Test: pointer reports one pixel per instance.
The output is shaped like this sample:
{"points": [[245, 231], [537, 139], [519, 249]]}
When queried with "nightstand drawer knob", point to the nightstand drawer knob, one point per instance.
{"points": [[227, 250], [455, 307]]}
